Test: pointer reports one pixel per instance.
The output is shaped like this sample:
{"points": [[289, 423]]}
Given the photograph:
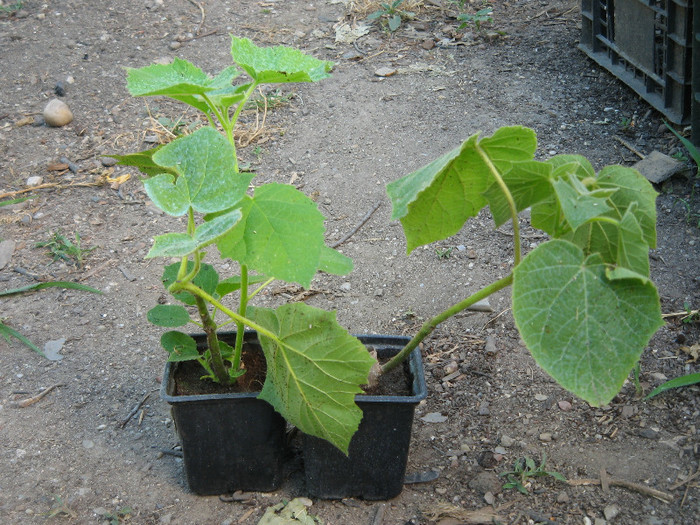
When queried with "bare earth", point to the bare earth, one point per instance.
{"points": [[73, 456]]}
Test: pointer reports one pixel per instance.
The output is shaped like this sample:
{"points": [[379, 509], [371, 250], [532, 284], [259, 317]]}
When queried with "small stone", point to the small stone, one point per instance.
{"points": [[385, 72], [648, 433], [659, 376], [599, 521], [52, 349], [562, 497], [428, 44], [507, 441], [434, 417], [611, 511], [471, 254], [57, 113], [546, 437], [564, 405], [484, 409], [489, 498], [629, 411], [500, 450], [657, 167], [108, 162], [59, 89], [490, 347], [451, 367], [345, 286], [175, 45], [88, 443], [541, 397], [7, 248]]}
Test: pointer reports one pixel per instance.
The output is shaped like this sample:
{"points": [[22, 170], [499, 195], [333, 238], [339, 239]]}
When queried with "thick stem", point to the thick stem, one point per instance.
{"points": [[431, 324], [210, 327]]}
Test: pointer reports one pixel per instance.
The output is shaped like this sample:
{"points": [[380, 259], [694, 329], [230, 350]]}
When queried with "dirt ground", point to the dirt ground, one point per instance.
{"points": [[74, 457]]}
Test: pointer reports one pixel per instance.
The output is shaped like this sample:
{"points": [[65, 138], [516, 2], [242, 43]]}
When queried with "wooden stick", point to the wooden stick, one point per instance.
{"points": [[31, 400], [613, 482], [135, 410], [361, 223], [629, 147]]}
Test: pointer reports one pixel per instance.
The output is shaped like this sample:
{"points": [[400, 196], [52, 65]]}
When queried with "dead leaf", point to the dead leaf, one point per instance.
{"points": [[692, 351]]}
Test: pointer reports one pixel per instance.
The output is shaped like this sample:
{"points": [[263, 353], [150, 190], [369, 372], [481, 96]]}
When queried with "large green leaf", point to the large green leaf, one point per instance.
{"points": [[183, 244], [168, 315], [277, 64], [281, 234], [632, 251], [586, 331], [577, 203], [334, 262], [434, 202], [207, 180], [314, 374], [180, 346], [143, 160]]}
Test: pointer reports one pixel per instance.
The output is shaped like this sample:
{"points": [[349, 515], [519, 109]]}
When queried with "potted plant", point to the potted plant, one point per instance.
{"points": [[313, 368]]}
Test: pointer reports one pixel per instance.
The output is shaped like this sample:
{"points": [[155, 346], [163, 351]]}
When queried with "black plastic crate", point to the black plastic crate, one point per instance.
{"points": [[648, 45]]}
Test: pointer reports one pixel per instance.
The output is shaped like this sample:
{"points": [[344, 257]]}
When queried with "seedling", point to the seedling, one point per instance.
{"points": [[61, 508], [444, 253], [62, 248], [482, 16], [524, 471], [691, 315], [391, 15], [583, 301], [686, 380], [118, 516], [314, 366], [692, 149], [11, 8]]}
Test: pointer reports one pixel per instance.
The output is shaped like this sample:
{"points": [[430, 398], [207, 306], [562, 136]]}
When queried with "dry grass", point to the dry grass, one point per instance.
{"points": [[363, 8]]}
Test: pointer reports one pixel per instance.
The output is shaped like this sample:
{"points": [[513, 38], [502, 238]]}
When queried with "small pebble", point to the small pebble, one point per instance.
{"points": [[33, 181], [489, 498], [57, 113], [564, 405], [546, 437], [611, 511], [385, 72], [484, 409], [562, 497], [507, 441], [175, 45]]}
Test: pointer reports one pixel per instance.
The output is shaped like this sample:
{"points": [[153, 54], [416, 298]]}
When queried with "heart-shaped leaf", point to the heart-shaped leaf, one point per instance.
{"points": [[583, 329], [180, 346], [207, 279], [168, 315], [207, 180], [315, 372], [434, 202]]}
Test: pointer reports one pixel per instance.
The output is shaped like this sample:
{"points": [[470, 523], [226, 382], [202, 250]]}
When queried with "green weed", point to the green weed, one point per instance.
{"points": [[390, 15], [61, 247], [444, 253], [480, 17], [11, 8], [524, 469]]}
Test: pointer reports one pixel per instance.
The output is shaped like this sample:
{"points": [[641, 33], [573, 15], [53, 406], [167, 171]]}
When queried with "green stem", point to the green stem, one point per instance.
{"points": [[261, 287], [240, 326], [197, 291], [210, 327], [431, 324], [509, 198]]}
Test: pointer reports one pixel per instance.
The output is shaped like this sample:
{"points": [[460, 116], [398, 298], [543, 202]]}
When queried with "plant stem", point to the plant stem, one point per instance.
{"points": [[511, 202], [431, 324], [240, 326], [210, 327]]}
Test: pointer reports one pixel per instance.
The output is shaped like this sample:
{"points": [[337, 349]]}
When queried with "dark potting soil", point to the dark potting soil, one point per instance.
{"points": [[188, 378]]}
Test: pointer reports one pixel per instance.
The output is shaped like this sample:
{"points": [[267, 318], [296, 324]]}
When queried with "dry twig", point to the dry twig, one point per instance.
{"points": [[135, 409], [606, 481], [360, 224], [31, 400]]}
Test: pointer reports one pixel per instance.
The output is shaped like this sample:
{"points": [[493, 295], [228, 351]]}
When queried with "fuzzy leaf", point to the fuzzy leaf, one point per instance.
{"points": [[206, 181], [434, 202], [180, 347], [313, 376], [281, 234], [279, 64], [586, 331], [168, 315]]}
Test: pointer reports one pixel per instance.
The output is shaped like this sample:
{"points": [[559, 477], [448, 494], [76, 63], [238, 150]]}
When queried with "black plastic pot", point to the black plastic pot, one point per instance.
{"points": [[376, 465], [229, 441]]}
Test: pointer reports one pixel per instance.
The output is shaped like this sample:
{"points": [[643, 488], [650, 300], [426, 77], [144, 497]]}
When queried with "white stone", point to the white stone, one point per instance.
{"points": [[57, 113]]}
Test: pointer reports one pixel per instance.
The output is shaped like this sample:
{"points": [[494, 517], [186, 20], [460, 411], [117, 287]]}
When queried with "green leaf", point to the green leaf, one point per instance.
{"points": [[50, 284], [143, 160], [207, 279], [314, 374], [168, 315], [180, 347], [6, 332], [182, 244], [207, 180], [334, 262], [434, 202], [586, 331], [686, 380], [576, 202], [632, 251], [529, 182], [281, 234], [394, 22], [632, 187], [279, 64], [180, 80], [692, 149]]}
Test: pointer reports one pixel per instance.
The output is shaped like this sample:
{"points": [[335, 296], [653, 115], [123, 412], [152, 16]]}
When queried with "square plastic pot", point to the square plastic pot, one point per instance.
{"points": [[229, 441], [376, 465]]}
